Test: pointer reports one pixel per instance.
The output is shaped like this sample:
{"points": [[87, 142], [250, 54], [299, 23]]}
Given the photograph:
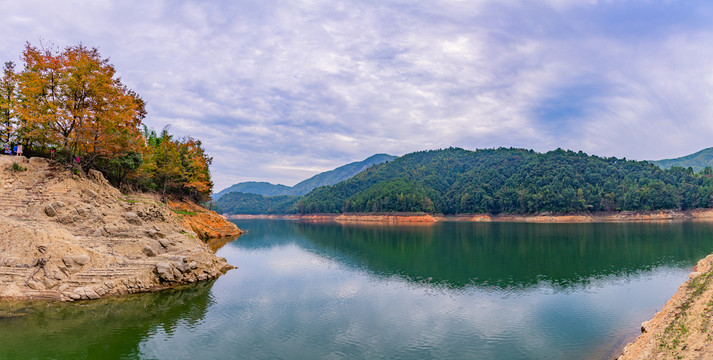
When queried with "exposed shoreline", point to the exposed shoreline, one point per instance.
{"points": [[74, 237], [682, 329], [421, 218]]}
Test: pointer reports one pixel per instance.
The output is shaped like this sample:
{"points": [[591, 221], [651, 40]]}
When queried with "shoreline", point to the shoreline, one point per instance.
{"points": [[70, 237], [704, 215], [682, 329]]}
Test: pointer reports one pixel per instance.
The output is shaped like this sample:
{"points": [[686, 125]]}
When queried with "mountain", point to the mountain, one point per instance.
{"points": [[454, 181], [254, 187], [698, 161], [339, 174], [326, 178]]}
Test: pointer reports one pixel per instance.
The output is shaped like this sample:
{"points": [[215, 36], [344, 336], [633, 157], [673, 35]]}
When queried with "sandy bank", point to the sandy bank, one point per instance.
{"points": [[68, 237], [683, 329], [408, 218]]}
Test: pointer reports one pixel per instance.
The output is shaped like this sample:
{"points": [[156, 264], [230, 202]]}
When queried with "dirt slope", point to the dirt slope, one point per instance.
{"points": [[68, 237], [683, 329]]}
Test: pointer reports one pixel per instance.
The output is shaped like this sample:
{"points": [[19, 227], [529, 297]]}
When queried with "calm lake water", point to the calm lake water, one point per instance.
{"points": [[329, 291]]}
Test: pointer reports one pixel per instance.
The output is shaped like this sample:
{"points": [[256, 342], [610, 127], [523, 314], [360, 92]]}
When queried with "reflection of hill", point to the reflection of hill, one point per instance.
{"points": [[498, 254], [100, 329]]}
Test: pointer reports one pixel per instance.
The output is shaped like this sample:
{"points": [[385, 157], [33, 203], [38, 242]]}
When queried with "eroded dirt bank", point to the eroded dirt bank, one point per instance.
{"points": [[683, 328], [408, 218], [68, 237]]}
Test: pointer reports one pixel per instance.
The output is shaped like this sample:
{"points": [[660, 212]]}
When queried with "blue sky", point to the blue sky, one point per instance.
{"points": [[281, 90]]}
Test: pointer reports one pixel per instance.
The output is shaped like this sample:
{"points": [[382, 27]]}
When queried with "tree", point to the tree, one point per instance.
{"points": [[8, 96], [72, 99]]}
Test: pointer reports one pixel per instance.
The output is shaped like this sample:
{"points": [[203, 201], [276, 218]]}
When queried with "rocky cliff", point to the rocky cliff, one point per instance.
{"points": [[74, 237]]}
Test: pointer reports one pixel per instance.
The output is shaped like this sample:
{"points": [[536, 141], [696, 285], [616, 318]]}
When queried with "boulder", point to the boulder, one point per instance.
{"points": [[76, 260], [50, 211], [165, 271], [132, 218], [149, 251]]}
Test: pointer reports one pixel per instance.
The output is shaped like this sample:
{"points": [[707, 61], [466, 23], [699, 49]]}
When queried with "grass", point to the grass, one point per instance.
{"points": [[675, 334], [184, 212], [15, 167]]}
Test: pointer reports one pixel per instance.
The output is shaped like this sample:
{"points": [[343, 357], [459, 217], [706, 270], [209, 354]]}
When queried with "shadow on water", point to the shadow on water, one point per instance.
{"points": [[100, 329], [502, 255]]}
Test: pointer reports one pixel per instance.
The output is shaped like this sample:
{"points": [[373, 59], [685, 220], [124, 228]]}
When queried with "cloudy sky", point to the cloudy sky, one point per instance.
{"points": [[281, 90]]}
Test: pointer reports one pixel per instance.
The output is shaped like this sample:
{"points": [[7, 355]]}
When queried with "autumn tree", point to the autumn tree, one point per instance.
{"points": [[8, 96], [42, 116], [176, 166], [74, 100]]}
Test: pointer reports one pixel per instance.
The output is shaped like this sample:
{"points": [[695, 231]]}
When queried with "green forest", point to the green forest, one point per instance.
{"points": [[495, 181]]}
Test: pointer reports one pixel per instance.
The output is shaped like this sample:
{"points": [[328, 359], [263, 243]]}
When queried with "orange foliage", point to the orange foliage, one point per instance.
{"points": [[72, 99]]}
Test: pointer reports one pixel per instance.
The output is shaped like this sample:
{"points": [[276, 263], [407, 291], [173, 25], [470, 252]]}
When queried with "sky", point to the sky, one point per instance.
{"points": [[279, 91]]}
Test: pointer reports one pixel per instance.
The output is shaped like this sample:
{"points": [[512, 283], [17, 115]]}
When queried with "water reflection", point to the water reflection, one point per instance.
{"points": [[101, 329], [502, 255]]}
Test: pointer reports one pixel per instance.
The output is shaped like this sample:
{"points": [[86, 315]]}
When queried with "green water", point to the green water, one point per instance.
{"points": [[329, 291]]}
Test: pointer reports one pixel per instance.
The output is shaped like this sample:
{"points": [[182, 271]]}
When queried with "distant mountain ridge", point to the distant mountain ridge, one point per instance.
{"points": [[326, 178], [698, 161]]}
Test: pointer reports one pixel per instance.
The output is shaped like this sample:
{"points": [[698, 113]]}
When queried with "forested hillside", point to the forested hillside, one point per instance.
{"points": [[698, 161], [246, 203], [455, 181]]}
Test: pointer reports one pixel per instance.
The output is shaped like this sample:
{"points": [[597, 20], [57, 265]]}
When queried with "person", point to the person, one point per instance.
{"points": [[7, 149], [52, 154], [14, 149], [19, 150]]}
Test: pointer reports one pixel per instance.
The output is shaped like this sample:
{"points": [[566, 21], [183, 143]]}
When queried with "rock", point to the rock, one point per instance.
{"points": [[66, 220], [58, 205], [149, 251], [38, 160], [74, 260], [75, 296], [155, 234], [81, 211], [165, 271], [164, 242], [182, 266], [91, 294], [11, 261], [50, 211], [34, 285], [645, 327], [193, 265], [177, 274], [132, 218]]}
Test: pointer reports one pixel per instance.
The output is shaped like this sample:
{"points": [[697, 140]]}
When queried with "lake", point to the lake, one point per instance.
{"points": [[442, 291]]}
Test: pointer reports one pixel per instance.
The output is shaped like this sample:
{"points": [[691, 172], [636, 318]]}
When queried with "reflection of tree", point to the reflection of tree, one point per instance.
{"points": [[100, 329], [503, 255]]}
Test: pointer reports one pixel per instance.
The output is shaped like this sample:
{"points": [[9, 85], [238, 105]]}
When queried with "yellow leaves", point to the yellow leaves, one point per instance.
{"points": [[71, 98]]}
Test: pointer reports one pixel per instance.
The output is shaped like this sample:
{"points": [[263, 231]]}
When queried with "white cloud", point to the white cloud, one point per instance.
{"points": [[271, 88]]}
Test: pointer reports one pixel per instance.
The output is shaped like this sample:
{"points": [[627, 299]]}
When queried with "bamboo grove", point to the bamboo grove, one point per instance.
{"points": [[71, 104]]}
